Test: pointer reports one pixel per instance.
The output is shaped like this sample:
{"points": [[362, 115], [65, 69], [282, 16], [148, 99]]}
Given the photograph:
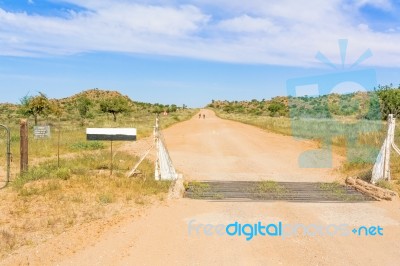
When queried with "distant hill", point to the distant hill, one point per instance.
{"points": [[69, 107], [94, 95], [98, 95], [355, 105], [7, 110]]}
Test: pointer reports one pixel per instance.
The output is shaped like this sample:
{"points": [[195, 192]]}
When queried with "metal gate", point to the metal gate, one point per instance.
{"points": [[5, 178]]}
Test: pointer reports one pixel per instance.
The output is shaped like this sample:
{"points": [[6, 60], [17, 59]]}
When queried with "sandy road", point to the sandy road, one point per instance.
{"points": [[214, 149]]}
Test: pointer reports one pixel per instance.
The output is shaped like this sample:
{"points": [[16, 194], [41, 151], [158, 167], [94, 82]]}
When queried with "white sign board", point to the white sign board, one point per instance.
{"points": [[120, 134]]}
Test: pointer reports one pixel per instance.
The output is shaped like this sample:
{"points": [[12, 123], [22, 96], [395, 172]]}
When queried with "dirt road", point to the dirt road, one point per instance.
{"points": [[214, 149]]}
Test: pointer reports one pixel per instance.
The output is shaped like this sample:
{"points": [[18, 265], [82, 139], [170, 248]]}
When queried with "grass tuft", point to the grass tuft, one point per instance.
{"points": [[87, 145], [270, 187], [106, 198], [384, 184], [7, 239]]}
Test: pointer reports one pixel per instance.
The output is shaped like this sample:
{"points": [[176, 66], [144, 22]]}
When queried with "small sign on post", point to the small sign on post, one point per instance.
{"points": [[41, 132], [111, 134]]}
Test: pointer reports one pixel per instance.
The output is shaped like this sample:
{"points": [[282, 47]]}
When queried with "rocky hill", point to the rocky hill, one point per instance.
{"points": [[94, 95], [69, 106]]}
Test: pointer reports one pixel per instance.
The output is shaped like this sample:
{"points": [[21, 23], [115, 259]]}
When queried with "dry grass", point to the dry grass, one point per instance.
{"points": [[73, 132], [47, 200]]}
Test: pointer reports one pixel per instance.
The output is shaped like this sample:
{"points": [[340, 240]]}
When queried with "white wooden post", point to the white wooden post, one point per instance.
{"points": [[390, 139], [157, 144], [164, 167], [394, 146], [381, 168]]}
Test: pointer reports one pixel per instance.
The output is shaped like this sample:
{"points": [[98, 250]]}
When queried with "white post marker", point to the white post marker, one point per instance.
{"points": [[381, 168], [390, 140], [111, 134], [164, 168]]}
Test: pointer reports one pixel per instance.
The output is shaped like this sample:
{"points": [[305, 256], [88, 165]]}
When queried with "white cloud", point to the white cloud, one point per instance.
{"points": [[114, 28], [246, 23], [363, 27], [285, 32], [381, 4], [152, 19]]}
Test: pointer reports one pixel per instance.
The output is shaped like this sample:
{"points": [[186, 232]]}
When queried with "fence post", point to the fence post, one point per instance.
{"points": [[111, 160], [24, 145], [390, 139], [8, 155], [58, 143], [157, 144]]}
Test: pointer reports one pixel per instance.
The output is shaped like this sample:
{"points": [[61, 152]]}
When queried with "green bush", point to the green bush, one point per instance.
{"points": [[43, 171], [63, 173], [384, 184], [88, 145], [106, 198], [33, 174], [390, 100]]}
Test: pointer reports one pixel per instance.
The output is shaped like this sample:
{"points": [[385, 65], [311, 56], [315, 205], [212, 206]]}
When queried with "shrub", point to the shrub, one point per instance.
{"points": [[63, 173], [384, 184], [88, 145], [389, 100], [106, 198]]}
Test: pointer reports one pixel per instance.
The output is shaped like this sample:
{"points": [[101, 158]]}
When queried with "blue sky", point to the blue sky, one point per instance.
{"points": [[188, 52]]}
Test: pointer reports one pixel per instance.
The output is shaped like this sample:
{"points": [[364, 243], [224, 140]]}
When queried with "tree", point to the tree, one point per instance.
{"points": [[173, 108], [276, 107], [56, 108], [390, 101], [158, 108], [35, 106], [83, 105], [374, 112], [115, 105]]}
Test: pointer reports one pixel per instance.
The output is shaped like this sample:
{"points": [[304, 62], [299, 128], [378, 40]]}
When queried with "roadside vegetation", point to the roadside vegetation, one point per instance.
{"points": [[71, 116], [353, 124], [53, 195]]}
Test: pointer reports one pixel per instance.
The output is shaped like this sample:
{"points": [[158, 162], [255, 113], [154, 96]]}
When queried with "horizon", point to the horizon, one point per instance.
{"points": [[216, 100], [194, 52]]}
